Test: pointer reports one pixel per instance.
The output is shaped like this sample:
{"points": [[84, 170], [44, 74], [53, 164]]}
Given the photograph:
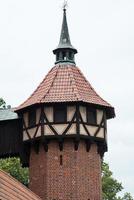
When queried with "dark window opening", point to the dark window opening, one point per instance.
{"points": [[57, 56], [61, 160], [91, 115], [32, 118], [64, 56], [60, 114], [70, 55]]}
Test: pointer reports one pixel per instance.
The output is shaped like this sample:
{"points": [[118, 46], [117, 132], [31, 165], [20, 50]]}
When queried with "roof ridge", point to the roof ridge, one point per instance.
{"points": [[41, 82], [77, 94], [51, 83], [21, 105], [92, 87]]}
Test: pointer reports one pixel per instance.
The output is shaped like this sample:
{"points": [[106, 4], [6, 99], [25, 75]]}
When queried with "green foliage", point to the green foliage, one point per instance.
{"points": [[2, 103], [14, 168], [111, 186], [127, 196]]}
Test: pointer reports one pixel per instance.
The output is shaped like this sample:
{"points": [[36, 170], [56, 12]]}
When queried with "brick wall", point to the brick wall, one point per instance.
{"points": [[67, 174]]}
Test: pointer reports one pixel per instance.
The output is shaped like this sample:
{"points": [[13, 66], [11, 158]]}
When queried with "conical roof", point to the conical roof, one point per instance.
{"points": [[65, 83]]}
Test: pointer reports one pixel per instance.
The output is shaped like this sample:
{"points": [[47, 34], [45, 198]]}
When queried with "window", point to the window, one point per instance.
{"points": [[91, 115], [32, 118], [60, 114], [61, 160], [64, 56], [57, 56], [70, 55]]}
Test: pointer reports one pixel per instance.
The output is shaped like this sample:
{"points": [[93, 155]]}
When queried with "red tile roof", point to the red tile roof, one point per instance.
{"points": [[64, 83], [11, 189]]}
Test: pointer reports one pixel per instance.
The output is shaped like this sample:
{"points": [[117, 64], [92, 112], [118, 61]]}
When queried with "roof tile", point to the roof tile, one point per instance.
{"points": [[10, 188], [64, 83]]}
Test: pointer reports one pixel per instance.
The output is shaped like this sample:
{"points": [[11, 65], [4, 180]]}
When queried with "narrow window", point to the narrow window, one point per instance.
{"points": [[70, 55], [57, 56], [32, 118], [60, 114], [61, 160], [91, 115], [64, 56]]}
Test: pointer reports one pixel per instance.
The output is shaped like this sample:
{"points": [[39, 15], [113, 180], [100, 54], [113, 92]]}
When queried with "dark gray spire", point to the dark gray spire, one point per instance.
{"points": [[65, 51]]}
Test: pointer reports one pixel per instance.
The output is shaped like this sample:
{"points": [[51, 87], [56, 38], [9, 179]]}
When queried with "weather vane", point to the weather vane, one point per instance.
{"points": [[65, 5]]}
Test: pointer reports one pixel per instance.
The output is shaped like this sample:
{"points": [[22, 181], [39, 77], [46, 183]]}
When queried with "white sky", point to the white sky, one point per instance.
{"points": [[103, 33]]}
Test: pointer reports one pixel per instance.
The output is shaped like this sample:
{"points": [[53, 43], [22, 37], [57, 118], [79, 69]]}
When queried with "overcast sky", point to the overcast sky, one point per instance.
{"points": [[103, 33]]}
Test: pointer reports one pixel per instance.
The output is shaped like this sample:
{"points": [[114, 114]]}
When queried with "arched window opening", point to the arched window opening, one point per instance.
{"points": [[57, 56], [70, 55], [64, 56]]}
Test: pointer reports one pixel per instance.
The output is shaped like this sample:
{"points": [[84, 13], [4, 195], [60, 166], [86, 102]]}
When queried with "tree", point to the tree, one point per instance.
{"points": [[127, 196], [111, 186], [15, 169], [2, 103]]}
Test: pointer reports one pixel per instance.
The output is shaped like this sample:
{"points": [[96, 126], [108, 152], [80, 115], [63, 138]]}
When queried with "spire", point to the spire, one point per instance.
{"points": [[65, 51]]}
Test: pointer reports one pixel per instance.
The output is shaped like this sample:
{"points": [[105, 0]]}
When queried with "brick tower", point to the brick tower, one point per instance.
{"points": [[64, 130]]}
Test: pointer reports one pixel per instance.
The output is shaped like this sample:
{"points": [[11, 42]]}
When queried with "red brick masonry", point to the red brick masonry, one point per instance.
{"points": [[67, 174]]}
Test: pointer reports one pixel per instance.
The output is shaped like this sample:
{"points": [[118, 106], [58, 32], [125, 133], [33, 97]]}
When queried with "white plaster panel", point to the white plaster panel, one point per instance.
{"points": [[25, 118], [25, 136], [99, 116], [72, 130], [83, 113], [82, 130], [60, 128], [100, 133], [32, 131], [38, 112], [48, 131], [70, 112], [91, 129], [49, 113]]}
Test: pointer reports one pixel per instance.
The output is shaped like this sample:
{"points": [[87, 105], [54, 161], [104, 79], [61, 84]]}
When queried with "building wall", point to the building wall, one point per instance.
{"points": [[60, 128], [67, 174]]}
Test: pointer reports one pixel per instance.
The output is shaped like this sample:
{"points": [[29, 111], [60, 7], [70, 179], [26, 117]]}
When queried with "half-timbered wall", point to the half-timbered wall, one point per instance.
{"points": [[76, 123]]}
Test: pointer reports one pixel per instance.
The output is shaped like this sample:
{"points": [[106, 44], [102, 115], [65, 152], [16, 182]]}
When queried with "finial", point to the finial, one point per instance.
{"points": [[65, 5], [65, 51]]}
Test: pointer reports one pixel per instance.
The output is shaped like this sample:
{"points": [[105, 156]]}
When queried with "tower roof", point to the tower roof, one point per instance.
{"points": [[66, 83]]}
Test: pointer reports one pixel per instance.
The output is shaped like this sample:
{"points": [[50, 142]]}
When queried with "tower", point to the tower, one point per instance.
{"points": [[64, 130]]}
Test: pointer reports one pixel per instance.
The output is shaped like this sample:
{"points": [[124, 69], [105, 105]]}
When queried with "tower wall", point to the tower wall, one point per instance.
{"points": [[67, 174]]}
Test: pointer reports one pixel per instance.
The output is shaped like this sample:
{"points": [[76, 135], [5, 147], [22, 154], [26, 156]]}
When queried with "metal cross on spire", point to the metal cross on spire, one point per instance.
{"points": [[65, 5]]}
